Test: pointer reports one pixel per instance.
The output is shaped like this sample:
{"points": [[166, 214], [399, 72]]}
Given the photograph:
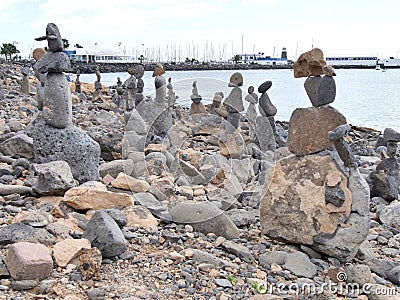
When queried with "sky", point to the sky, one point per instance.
{"points": [[209, 29]]}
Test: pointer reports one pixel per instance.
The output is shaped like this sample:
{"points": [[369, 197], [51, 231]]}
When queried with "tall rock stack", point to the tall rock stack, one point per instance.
{"points": [[54, 136], [317, 196]]}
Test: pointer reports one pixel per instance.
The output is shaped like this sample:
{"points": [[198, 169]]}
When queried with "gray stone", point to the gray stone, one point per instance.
{"points": [[202, 257], [365, 251], [300, 265], [391, 135], [390, 215], [22, 285], [265, 106], [57, 105], [18, 232], [54, 178], [150, 202], [6, 189], [225, 283], [394, 275], [239, 250], [70, 144], [311, 86], [118, 216], [382, 267], [53, 62], [104, 233], [265, 134], [113, 168], [265, 86], [20, 144], [326, 91], [96, 293], [241, 217], [274, 257], [136, 123], [234, 100], [204, 217], [385, 180], [360, 274]]}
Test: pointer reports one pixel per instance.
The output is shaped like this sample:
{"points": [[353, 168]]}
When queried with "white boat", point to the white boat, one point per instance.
{"points": [[352, 61], [259, 58], [390, 62], [378, 68]]}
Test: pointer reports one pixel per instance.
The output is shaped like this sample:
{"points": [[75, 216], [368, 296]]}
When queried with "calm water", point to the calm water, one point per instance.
{"points": [[368, 98]]}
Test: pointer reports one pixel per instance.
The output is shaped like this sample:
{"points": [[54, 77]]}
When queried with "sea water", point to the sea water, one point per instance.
{"points": [[366, 97]]}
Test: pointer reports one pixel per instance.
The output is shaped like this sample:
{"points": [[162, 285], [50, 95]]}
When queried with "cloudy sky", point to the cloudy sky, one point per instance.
{"points": [[338, 27]]}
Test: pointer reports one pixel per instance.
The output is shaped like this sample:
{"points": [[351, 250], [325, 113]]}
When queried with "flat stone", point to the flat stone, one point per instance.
{"points": [[66, 250], [204, 217], [83, 198], [239, 250], [18, 232], [300, 265], [20, 144], [309, 63], [390, 215], [8, 189], [202, 257], [225, 283], [27, 261], [113, 168], [104, 234], [128, 183], [22, 285], [309, 128], [54, 178], [264, 87]]}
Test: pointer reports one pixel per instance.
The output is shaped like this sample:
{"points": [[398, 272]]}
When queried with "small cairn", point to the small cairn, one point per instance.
{"points": [[130, 94], [251, 112], [97, 95], [196, 107], [118, 97], [321, 183], [385, 180], [139, 85], [234, 100], [54, 136], [78, 87], [37, 54], [25, 80], [217, 108], [171, 97]]}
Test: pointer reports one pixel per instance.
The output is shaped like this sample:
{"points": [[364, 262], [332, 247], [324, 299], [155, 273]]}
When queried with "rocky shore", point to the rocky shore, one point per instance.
{"points": [[180, 218]]}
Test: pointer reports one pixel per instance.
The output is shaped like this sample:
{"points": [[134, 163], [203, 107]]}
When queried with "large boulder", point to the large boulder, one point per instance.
{"points": [[309, 200], [70, 144], [309, 128]]}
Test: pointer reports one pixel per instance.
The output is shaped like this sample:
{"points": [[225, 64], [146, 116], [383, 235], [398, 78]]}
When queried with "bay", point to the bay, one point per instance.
{"points": [[367, 97]]}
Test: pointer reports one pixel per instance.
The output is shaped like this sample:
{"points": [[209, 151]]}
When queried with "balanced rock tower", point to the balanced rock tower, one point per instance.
{"points": [[54, 136], [317, 197]]}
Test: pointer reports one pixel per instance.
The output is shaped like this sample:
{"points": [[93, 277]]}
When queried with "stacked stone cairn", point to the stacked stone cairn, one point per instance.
{"points": [[197, 107], [118, 98], [139, 84], [130, 94], [25, 80], [54, 136], [171, 96], [234, 101], [265, 123], [385, 180], [98, 95], [317, 197], [217, 108]]}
